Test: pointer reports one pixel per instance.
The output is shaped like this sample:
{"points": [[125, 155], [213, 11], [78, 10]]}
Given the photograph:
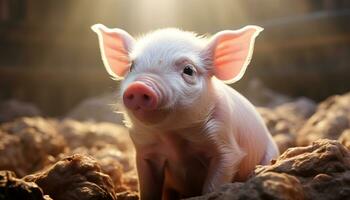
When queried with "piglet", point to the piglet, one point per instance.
{"points": [[192, 132]]}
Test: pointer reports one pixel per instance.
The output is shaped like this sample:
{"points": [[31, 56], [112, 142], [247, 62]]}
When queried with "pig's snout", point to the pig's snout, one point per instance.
{"points": [[140, 96]]}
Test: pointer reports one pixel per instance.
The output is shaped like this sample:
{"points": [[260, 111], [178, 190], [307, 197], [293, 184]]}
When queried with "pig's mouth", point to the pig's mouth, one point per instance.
{"points": [[149, 116]]}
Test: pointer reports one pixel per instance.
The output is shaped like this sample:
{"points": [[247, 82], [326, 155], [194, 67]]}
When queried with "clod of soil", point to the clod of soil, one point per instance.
{"points": [[285, 120], [75, 177], [330, 120], [29, 144], [70, 159], [90, 134], [322, 156], [109, 144], [319, 171], [345, 138], [12, 188]]}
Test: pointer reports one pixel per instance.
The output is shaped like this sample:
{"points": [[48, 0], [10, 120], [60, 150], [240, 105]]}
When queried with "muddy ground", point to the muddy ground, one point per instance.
{"points": [[88, 155]]}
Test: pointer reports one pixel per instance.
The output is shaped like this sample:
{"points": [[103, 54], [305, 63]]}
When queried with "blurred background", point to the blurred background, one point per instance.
{"points": [[50, 57]]}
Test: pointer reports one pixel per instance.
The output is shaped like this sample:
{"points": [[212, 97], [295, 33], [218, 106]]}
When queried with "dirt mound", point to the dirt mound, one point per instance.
{"points": [[109, 144], [345, 138], [330, 120], [285, 120], [29, 144], [318, 171], [71, 159], [75, 177], [12, 188]]}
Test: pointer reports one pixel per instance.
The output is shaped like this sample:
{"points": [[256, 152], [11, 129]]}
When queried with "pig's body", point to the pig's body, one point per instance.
{"points": [[192, 132], [234, 133]]}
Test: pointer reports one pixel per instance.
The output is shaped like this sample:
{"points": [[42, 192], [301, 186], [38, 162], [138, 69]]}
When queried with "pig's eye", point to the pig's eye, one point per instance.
{"points": [[188, 73], [188, 70]]}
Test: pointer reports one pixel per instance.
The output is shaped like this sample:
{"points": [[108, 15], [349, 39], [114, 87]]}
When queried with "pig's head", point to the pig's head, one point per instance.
{"points": [[167, 74]]}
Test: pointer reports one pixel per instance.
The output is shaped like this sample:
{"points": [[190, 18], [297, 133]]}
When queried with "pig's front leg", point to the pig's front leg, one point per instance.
{"points": [[151, 177], [223, 166]]}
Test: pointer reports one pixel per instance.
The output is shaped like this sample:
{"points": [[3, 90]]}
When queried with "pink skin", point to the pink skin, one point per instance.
{"points": [[182, 171], [192, 133], [141, 100]]}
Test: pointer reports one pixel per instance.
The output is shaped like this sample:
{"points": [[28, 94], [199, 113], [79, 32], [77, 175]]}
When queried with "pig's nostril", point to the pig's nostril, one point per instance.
{"points": [[130, 97], [139, 96], [146, 97]]}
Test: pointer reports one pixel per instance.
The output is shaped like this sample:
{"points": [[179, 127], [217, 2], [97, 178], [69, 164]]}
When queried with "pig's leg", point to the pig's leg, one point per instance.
{"points": [[151, 176], [223, 167]]}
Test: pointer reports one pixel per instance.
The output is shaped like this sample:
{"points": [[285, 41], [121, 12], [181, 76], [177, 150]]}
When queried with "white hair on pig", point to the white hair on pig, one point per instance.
{"points": [[192, 133]]}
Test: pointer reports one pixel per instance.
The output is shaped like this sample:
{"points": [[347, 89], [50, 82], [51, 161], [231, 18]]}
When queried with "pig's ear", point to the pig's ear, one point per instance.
{"points": [[230, 52], [115, 45]]}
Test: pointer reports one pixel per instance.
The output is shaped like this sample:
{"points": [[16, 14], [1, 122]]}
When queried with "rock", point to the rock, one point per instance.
{"points": [[75, 177], [13, 109], [319, 171], [345, 138], [29, 144], [330, 120], [12, 188], [99, 109]]}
